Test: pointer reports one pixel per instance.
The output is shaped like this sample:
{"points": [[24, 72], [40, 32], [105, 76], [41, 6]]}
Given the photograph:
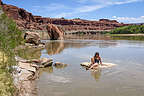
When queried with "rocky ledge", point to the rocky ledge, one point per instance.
{"points": [[25, 74]]}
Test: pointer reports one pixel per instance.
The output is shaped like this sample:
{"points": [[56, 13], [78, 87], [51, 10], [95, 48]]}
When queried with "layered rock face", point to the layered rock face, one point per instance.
{"points": [[26, 20], [79, 24], [23, 18]]}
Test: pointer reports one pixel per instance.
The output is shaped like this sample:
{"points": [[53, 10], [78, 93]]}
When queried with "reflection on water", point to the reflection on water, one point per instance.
{"points": [[103, 37], [61, 66], [56, 47], [58, 79], [48, 70], [96, 74], [29, 53], [88, 37]]}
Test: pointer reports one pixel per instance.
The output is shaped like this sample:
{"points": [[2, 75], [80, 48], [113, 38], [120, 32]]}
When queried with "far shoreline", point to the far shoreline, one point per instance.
{"points": [[125, 34]]}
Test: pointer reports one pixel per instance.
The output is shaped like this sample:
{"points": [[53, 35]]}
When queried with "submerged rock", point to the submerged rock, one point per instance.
{"points": [[59, 65]]}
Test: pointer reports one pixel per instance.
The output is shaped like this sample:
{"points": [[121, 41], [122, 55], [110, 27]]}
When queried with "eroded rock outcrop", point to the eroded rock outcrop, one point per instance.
{"points": [[25, 20], [54, 32], [56, 27]]}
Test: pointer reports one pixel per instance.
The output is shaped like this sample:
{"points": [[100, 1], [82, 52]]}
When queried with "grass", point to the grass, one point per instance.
{"points": [[10, 37], [132, 29]]}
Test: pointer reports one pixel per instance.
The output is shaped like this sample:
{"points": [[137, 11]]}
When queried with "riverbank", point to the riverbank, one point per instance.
{"points": [[6, 82], [125, 34], [10, 37], [87, 34]]}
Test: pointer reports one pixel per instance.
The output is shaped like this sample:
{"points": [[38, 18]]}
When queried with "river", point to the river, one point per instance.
{"points": [[124, 79]]}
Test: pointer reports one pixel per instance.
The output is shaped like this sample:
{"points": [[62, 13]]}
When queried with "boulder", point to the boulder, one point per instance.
{"points": [[35, 63], [45, 62], [32, 38], [24, 80], [54, 32]]}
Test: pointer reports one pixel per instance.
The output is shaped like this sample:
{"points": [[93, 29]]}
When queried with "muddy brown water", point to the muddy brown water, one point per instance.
{"points": [[125, 79]]}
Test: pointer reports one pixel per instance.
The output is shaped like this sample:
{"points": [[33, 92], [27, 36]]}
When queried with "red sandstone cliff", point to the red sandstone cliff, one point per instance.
{"points": [[26, 20]]}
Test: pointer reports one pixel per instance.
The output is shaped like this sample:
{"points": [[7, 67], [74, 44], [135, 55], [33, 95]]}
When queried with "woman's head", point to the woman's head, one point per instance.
{"points": [[97, 54]]}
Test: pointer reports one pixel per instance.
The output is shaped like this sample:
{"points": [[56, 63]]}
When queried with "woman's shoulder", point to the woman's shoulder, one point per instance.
{"points": [[92, 57]]}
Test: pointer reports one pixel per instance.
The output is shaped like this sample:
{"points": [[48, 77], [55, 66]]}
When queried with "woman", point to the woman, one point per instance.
{"points": [[95, 61]]}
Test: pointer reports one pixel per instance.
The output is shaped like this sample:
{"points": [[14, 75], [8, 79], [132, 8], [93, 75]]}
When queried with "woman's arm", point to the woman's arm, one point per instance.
{"points": [[100, 61], [92, 61]]}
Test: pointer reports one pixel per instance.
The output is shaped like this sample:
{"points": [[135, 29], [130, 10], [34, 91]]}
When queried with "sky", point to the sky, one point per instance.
{"points": [[126, 11]]}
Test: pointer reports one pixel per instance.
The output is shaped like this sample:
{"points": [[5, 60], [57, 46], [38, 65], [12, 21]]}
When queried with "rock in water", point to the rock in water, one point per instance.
{"points": [[32, 37], [59, 65], [86, 64], [54, 32], [104, 65], [45, 62]]}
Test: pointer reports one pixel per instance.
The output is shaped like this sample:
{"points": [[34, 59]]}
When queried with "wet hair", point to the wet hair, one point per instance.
{"points": [[97, 53]]}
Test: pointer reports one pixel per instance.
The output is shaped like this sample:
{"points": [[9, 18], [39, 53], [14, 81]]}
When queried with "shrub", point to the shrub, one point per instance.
{"points": [[132, 29], [10, 37]]}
